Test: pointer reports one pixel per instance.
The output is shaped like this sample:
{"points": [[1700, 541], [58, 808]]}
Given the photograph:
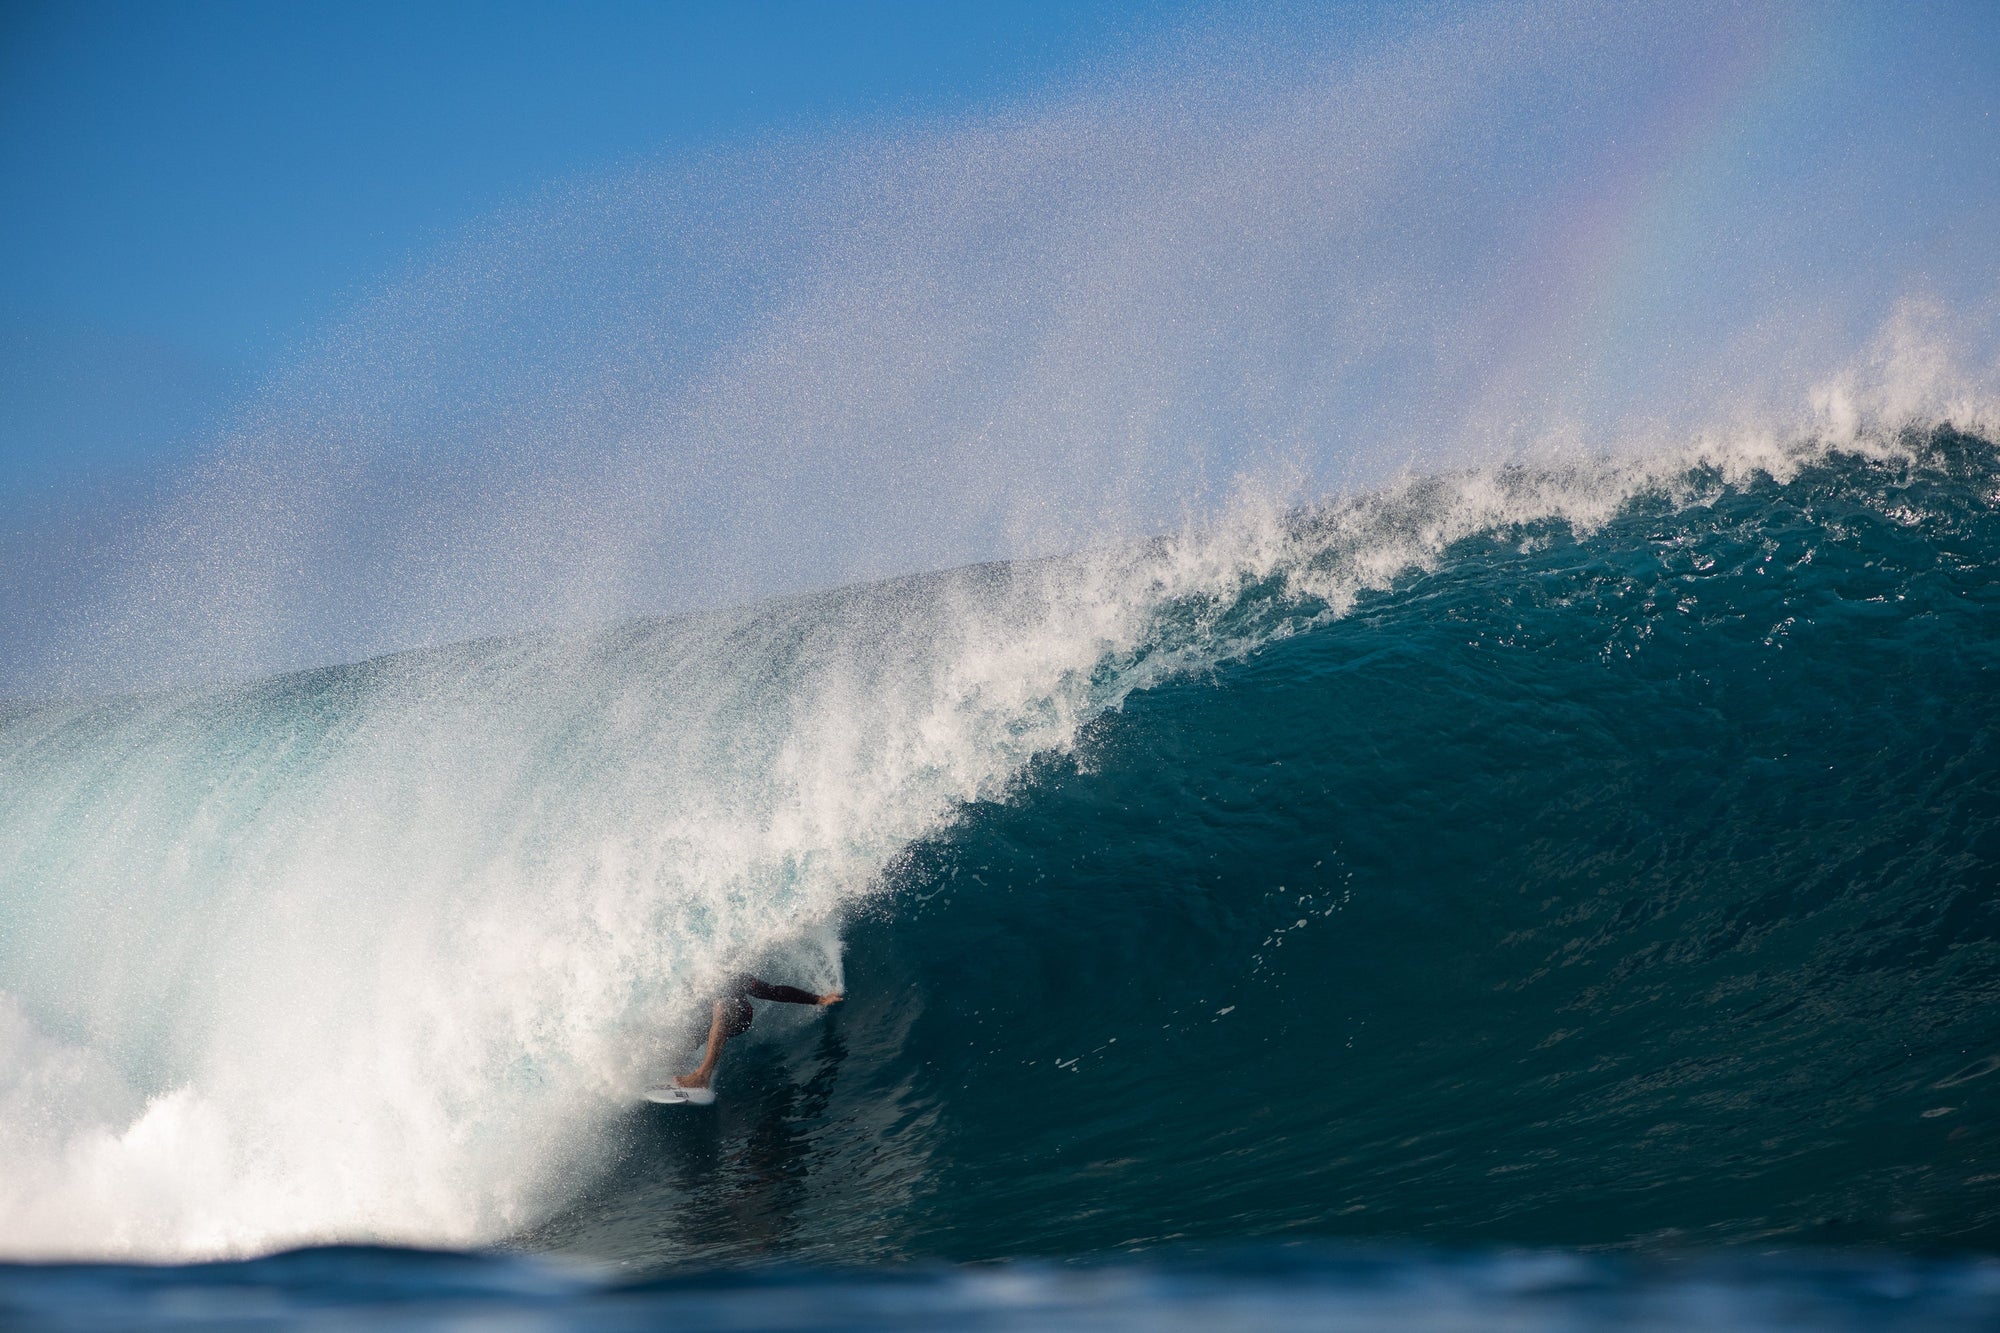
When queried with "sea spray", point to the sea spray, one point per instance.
{"points": [[1285, 254]]}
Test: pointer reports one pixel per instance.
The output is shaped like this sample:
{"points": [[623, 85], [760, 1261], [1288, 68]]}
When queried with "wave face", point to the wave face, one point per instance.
{"points": [[1595, 854], [1628, 885]]}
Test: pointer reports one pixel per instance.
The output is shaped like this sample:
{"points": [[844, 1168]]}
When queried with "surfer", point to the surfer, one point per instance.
{"points": [[733, 1016]]}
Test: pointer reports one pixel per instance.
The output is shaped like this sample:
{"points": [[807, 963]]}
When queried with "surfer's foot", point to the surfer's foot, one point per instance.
{"points": [[691, 1081]]}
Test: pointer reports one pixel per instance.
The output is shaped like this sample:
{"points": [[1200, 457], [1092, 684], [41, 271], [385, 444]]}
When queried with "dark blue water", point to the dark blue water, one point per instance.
{"points": [[1639, 889], [1630, 894]]}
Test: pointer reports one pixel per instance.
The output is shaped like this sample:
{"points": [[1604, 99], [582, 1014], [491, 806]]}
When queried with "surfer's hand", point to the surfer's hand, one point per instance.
{"points": [[831, 997]]}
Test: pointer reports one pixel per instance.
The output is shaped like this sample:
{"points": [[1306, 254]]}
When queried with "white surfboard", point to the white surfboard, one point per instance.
{"points": [[670, 1094]]}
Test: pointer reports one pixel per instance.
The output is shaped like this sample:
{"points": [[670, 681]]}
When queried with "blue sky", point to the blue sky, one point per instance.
{"points": [[193, 189]]}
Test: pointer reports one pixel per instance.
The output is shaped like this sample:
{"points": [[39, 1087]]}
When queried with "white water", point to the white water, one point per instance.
{"points": [[378, 951]]}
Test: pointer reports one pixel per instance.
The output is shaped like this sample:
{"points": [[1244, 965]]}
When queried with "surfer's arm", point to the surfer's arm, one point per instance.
{"points": [[760, 990]]}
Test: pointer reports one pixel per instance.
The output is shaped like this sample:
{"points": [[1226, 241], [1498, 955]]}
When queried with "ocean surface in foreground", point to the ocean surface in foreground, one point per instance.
{"points": [[1277, 1287]]}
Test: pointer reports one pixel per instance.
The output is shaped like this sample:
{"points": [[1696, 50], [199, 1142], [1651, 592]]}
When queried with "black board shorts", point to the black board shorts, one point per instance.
{"points": [[736, 1016]]}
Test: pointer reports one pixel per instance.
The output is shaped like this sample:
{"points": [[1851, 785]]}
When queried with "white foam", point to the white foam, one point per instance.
{"points": [[382, 949]]}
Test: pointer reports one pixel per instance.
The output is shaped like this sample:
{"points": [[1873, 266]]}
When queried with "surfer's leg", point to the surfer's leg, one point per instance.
{"points": [[718, 1034]]}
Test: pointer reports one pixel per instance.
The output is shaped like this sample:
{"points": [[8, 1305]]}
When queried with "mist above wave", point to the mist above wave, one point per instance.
{"points": [[1283, 253]]}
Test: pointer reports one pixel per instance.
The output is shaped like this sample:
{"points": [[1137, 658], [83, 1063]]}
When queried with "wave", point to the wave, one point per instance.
{"points": [[1517, 853]]}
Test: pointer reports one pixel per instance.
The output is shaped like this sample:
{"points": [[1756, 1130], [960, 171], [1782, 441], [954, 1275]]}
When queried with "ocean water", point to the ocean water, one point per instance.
{"points": [[1573, 885]]}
